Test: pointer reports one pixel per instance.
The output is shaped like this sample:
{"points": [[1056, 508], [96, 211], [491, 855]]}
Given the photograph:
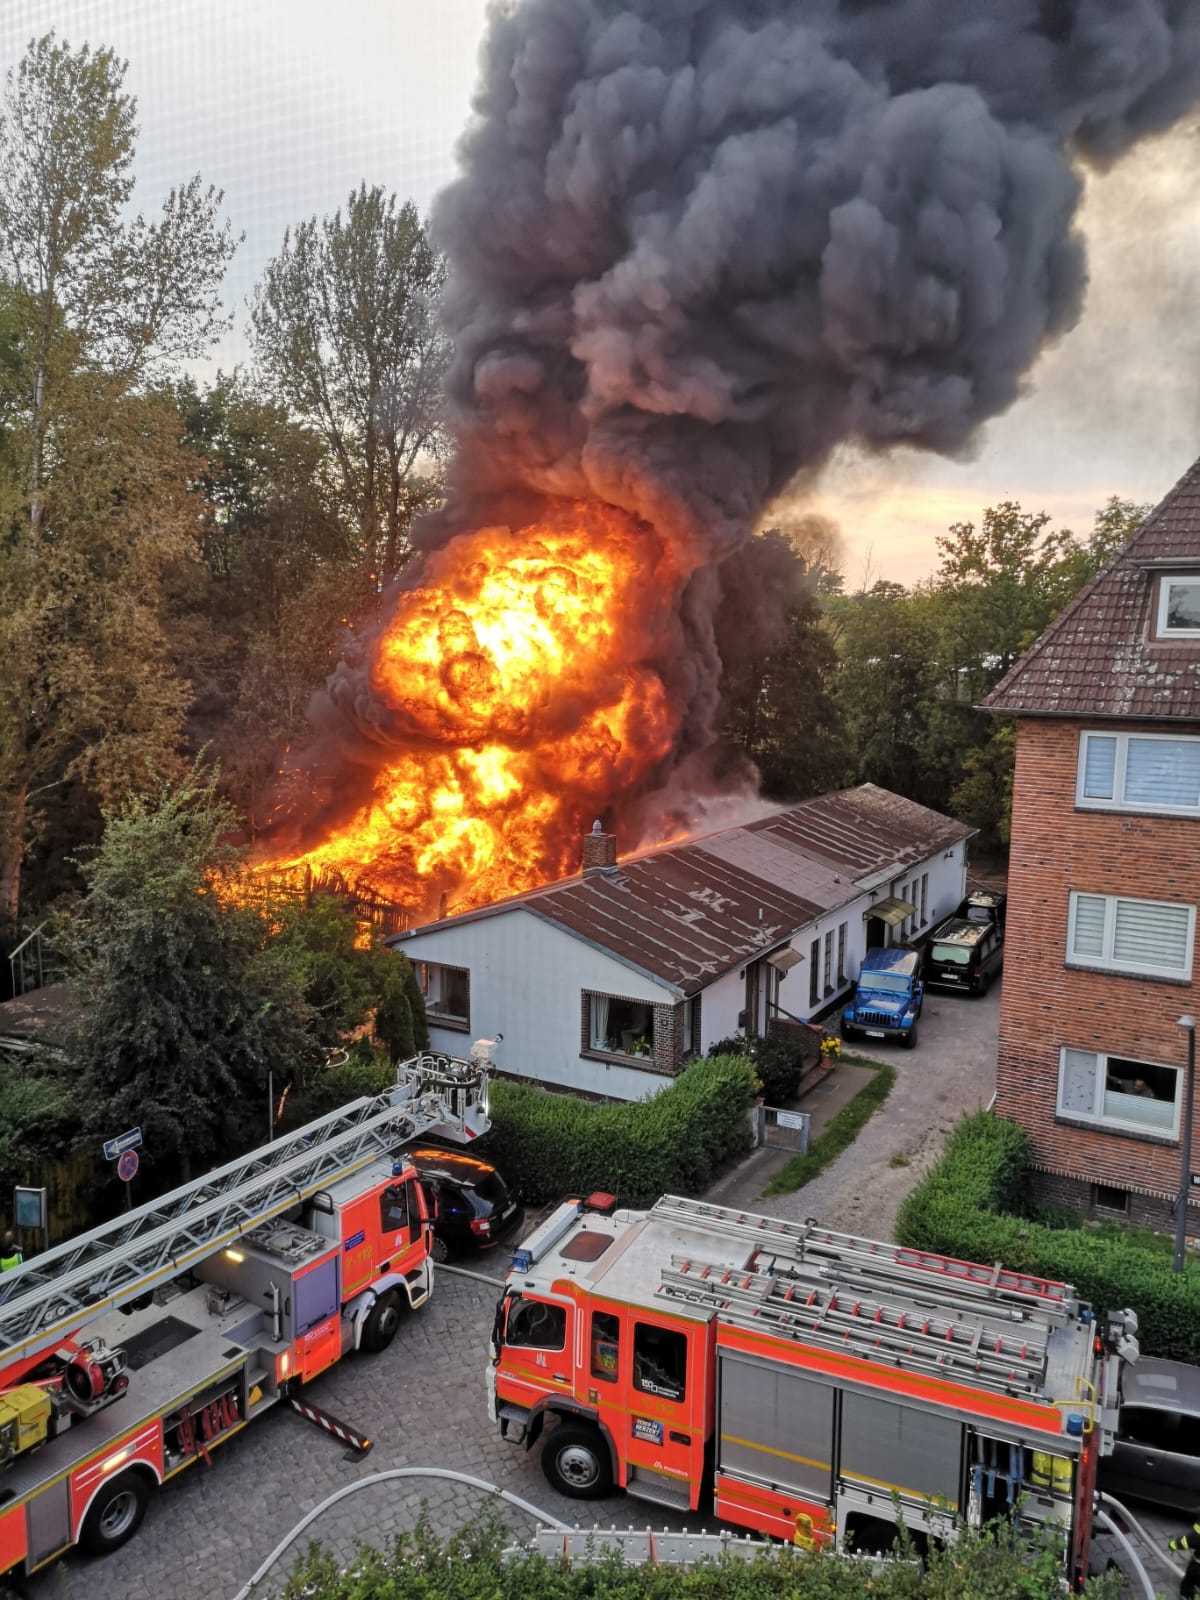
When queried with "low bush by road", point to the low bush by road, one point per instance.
{"points": [[471, 1567], [551, 1145], [972, 1205]]}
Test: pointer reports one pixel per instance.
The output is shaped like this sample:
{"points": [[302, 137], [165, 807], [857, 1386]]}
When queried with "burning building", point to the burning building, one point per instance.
{"points": [[696, 245]]}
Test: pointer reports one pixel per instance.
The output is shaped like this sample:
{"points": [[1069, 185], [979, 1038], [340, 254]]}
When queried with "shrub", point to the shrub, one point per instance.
{"points": [[550, 1145], [366, 1071], [471, 1567], [971, 1206], [778, 1062]]}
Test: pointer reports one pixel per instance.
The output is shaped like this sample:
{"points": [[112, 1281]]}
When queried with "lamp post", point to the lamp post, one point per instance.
{"points": [[1185, 1176]]}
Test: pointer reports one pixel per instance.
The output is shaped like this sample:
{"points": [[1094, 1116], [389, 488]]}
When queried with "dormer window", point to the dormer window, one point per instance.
{"points": [[1179, 606]]}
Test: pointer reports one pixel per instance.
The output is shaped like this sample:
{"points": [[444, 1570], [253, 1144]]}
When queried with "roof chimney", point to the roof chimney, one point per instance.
{"points": [[599, 851]]}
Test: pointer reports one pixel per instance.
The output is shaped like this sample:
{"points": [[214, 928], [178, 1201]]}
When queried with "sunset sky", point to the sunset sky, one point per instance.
{"points": [[288, 104]]}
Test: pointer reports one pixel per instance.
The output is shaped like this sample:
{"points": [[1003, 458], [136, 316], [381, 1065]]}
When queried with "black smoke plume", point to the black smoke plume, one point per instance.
{"points": [[696, 244]]}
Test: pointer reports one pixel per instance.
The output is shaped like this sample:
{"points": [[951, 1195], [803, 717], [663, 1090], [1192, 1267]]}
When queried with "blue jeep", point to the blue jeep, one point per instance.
{"points": [[887, 998]]}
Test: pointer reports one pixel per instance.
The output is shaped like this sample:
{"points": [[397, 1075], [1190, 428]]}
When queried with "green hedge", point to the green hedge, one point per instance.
{"points": [[471, 1567], [970, 1206], [551, 1145]]}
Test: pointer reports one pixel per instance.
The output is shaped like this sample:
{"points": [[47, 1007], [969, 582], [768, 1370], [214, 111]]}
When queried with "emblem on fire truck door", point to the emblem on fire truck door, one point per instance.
{"points": [[646, 1428]]}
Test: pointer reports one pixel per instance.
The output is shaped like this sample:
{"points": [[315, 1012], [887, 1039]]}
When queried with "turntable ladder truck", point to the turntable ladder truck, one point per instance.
{"points": [[130, 1352], [817, 1385]]}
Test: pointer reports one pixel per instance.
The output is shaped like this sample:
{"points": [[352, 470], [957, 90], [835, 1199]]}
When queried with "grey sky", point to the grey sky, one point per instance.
{"points": [[287, 104]]}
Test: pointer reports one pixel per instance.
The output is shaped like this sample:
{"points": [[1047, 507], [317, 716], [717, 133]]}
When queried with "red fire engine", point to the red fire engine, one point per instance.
{"points": [[815, 1384], [131, 1352]]}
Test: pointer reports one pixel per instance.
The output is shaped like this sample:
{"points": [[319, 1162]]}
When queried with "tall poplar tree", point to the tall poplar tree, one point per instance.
{"points": [[345, 334]]}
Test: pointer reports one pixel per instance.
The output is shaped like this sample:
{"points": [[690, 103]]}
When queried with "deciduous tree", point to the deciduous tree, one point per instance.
{"points": [[345, 334], [99, 303], [188, 1002]]}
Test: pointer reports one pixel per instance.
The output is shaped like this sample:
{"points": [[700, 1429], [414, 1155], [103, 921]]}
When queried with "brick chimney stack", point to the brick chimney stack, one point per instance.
{"points": [[599, 851]]}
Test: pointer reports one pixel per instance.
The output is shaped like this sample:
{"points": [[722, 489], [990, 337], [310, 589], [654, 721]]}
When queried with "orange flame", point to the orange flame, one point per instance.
{"points": [[520, 705]]}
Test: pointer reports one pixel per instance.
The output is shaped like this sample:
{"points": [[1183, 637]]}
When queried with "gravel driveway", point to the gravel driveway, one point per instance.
{"points": [[951, 1072]]}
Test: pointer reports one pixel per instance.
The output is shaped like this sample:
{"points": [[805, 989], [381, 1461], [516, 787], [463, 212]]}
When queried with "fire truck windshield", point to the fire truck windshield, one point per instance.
{"points": [[534, 1323]]}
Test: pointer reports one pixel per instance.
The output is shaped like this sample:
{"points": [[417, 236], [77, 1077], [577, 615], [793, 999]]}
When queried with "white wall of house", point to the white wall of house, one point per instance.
{"points": [[721, 1004], [527, 978]]}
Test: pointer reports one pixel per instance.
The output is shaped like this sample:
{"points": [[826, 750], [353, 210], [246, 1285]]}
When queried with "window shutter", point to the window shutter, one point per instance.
{"points": [[1163, 772], [1077, 1082], [1089, 926], [1099, 766], [1151, 935]]}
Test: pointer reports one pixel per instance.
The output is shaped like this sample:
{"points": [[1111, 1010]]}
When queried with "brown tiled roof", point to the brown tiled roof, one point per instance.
{"points": [[1098, 659], [689, 912]]}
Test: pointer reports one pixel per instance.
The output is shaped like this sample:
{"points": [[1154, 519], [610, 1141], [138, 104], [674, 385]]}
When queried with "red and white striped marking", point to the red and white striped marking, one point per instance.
{"points": [[340, 1430]]}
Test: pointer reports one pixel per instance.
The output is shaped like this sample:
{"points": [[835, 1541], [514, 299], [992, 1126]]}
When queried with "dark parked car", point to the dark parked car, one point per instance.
{"points": [[1157, 1453], [984, 906], [475, 1208], [963, 955]]}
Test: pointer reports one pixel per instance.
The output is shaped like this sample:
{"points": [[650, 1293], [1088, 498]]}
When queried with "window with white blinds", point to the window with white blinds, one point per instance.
{"points": [[1137, 1096], [1142, 937], [1139, 772]]}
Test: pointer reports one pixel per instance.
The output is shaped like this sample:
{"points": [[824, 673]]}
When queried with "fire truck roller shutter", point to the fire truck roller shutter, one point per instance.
{"points": [[894, 1447], [775, 1425]]}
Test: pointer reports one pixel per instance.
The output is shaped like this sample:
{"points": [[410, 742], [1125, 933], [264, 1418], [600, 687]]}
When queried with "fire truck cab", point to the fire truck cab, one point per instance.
{"points": [[818, 1386], [131, 1352]]}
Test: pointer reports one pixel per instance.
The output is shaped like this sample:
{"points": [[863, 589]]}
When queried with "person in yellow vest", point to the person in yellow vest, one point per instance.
{"points": [[11, 1254], [1189, 1545]]}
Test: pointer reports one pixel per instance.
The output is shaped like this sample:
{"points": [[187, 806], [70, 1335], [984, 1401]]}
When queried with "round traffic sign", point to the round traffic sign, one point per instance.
{"points": [[127, 1165]]}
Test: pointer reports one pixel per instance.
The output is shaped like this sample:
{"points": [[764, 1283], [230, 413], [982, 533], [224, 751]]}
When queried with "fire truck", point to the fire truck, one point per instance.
{"points": [[819, 1387], [130, 1353]]}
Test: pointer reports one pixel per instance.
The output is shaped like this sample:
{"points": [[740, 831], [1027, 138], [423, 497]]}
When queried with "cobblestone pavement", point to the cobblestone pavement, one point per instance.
{"points": [[423, 1402]]}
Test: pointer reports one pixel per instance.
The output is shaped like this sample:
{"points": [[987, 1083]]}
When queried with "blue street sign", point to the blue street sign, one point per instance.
{"points": [[127, 1165], [114, 1148]]}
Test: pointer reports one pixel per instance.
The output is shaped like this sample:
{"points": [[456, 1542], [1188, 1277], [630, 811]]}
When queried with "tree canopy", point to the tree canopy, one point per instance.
{"points": [[187, 1001], [345, 334], [94, 305]]}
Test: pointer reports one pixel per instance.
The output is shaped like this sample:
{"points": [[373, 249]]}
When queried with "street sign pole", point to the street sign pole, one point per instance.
{"points": [[126, 1168]]}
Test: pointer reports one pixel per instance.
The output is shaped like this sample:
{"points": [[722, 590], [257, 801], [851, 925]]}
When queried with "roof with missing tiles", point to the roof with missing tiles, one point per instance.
{"points": [[688, 912], [1101, 657]]}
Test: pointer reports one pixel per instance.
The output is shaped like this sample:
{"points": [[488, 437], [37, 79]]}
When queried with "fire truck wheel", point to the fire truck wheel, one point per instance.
{"points": [[382, 1321], [115, 1515], [576, 1462]]}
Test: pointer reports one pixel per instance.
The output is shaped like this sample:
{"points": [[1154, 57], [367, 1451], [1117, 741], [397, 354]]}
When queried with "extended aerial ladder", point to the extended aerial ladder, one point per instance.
{"points": [[51, 1297]]}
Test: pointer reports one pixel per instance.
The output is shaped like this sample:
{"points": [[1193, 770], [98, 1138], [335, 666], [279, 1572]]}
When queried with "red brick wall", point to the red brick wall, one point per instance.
{"points": [[1045, 1004]]}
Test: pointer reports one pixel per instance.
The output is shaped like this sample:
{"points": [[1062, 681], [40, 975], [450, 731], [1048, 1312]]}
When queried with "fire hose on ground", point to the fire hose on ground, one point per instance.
{"points": [[1151, 1544], [384, 1477]]}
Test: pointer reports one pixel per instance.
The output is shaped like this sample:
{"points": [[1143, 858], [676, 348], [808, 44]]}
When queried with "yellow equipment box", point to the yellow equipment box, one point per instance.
{"points": [[24, 1417]]}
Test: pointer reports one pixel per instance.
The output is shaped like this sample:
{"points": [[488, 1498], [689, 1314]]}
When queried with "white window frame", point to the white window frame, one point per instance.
{"points": [[1118, 802], [1107, 962], [1162, 631], [1097, 1116]]}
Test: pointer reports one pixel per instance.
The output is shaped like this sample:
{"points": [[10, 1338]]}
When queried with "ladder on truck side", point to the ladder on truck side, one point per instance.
{"points": [[894, 1263], [51, 1297]]}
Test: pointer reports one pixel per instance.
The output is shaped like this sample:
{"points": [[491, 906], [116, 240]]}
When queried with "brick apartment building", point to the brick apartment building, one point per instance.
{"points": [[1104, 878]]}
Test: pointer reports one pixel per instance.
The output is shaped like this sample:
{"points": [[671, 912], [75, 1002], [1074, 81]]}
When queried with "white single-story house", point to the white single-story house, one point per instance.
{"points": [[606, 982]]}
